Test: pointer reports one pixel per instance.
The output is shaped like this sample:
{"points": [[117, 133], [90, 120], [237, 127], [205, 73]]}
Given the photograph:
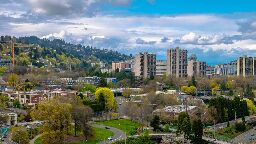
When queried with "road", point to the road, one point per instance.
{"points": [[118, 134], [246, 137], [223, 125]]}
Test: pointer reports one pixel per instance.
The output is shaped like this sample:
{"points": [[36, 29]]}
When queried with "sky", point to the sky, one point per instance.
{"points": [[217, 31]]}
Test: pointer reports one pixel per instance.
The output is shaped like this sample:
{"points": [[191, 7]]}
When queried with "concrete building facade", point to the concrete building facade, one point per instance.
{"points": [[177, 62], [246, 66], [196, 68], [120, 66], [144, 65], [161, 67]]}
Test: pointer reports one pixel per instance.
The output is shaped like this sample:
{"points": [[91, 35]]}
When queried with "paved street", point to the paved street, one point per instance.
{"points": [[118, 134], [246, 137], [223, 125]]}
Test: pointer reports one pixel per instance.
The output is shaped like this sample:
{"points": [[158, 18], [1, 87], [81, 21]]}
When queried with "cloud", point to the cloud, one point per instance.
{"points": [[165, 39], [197, 39], [143, 42], [61, 8], [79, 21]]}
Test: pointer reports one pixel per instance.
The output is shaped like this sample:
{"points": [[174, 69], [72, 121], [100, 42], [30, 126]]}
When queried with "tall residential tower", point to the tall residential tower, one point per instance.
{"points": [[177, 62]]}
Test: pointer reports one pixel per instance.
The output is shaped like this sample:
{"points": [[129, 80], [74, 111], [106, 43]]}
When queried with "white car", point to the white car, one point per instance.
{"points": [[110, 138]]}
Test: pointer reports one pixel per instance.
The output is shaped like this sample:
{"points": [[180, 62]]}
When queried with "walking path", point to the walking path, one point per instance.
{"points": [[34, 139]]}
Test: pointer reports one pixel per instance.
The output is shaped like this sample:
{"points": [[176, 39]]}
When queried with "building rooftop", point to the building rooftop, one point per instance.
{"points": [[176, 109]]}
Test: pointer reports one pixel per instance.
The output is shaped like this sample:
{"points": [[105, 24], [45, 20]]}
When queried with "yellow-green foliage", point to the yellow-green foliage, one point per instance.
{"points": [[251, 106], [3, 69], [188, 89], [108, 95], [20, 135]]}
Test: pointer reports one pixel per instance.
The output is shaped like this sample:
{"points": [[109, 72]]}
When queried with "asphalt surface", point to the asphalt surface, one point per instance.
{"points": [[118, 134], [246, 137], [223, 125]]}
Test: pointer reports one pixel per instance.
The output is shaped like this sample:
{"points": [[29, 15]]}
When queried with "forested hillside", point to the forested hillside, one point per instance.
{"points": [[77, 51]]}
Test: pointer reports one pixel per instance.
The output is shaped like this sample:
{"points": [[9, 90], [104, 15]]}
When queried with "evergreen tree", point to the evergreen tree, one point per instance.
{"points": [[197, 130], [184, 125], [102, 102], [155, 123], [248, 93], [192, 82], [103, 82]]}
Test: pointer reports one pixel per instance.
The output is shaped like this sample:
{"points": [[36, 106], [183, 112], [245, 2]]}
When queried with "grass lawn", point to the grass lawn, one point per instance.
{"points": [[125, 125], [38, 141], [100, 134]]}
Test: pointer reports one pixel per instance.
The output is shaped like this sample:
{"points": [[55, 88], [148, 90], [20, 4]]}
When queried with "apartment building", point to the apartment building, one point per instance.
{"points": [[177, 62], [246, 66], [144, 65], [195, 67], [209, 71], [120, 66], [161, 67]]}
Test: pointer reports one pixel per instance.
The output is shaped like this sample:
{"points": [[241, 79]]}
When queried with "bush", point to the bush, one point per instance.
{"points": [[166, 128], [240, 126]]}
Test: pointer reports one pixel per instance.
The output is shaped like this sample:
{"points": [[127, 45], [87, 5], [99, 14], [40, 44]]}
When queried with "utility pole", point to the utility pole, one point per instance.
{"points": [[214, 129]]}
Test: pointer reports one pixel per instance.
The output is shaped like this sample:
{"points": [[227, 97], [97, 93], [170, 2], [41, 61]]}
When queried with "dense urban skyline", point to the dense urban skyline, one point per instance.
{"points": [[217, 32]]}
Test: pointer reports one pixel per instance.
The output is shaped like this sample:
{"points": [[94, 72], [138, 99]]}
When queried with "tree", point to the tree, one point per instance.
{"points": [[189, 89], [103, 82], [28, 85], [127, 92], [110, 101], [251, 106], [20, 135], [56, 115], [3, 101], [12, 79], [197, 131], [184, 125], [53, 137], [3, 119], [192, 82], [89, 87], [16, 103], [81, 116], [3, 69], [102, 102], [248, 93], [155, 123]]}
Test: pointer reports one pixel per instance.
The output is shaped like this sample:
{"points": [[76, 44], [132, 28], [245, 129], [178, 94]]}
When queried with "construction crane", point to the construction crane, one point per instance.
{"points": [[19, 45]]}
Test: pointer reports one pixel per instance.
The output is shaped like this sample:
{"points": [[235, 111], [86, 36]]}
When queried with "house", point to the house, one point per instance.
{"points": [[176, 109], [89, 80], [113, 80], [11, 117], [3, 85]]}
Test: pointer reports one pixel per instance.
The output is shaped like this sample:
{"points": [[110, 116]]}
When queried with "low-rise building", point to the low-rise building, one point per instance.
{"points": [[5, 62], [119, 66], [113, 80], [175, 109], [3, 85], [89, 80], [11, 117]]}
